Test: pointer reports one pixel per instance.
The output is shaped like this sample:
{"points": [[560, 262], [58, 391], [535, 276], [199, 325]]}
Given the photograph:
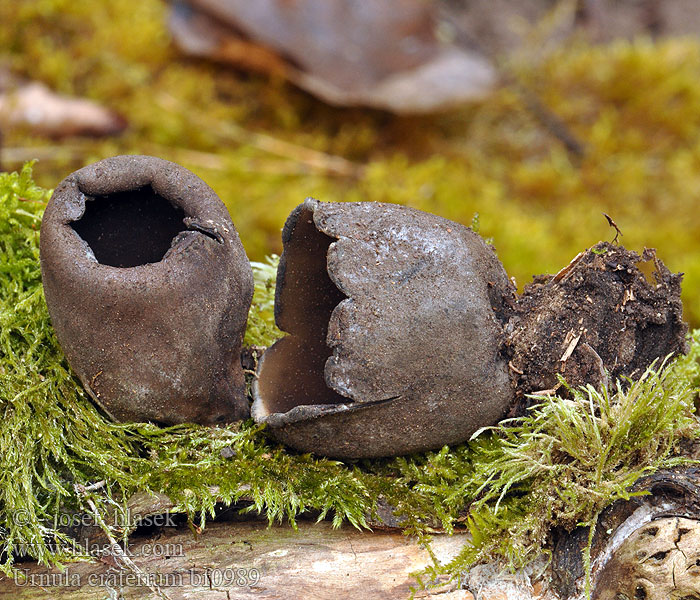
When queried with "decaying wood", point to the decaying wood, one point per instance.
{"points": [[582, 322], [647, 547], [316, 562], [658, 561]]}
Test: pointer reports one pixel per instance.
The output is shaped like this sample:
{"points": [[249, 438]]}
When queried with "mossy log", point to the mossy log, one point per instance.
{"points": [[247, 559]]}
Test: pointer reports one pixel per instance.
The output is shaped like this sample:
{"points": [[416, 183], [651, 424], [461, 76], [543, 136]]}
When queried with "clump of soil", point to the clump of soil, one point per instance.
{"points": [[609, 313]]}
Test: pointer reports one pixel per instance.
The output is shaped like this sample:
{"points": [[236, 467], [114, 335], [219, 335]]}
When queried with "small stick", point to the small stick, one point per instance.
{"points": [[549, 392], [119, 556], [570, 349], [568, 268], [314, 159], [514, 368], [614, 225], [552, 122]]}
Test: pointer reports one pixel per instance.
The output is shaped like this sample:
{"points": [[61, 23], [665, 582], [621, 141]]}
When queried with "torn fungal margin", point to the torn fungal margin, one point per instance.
{"points": [[210, 232], [292, 373]]}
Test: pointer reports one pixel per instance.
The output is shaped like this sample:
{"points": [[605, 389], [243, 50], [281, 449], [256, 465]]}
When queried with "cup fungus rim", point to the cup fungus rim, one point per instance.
{"points": [[134, 173]]}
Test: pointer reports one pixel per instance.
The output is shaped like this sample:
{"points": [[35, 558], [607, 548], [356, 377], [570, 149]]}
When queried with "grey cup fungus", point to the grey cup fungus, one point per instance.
{"points": [[148, 288], [395, 320]]}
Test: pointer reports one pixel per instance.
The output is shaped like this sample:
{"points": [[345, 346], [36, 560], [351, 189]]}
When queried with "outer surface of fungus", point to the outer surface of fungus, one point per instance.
{"points": [[148, 288], [396, 321]]}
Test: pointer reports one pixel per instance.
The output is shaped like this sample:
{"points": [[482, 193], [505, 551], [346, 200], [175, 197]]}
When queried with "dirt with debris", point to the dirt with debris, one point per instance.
{"points": [[609, 313]]}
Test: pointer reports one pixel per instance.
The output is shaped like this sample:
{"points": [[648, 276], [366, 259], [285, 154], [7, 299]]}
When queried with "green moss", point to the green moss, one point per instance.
{"points": [[261, 329], [568, 459], [52, 438], [50, 434]]}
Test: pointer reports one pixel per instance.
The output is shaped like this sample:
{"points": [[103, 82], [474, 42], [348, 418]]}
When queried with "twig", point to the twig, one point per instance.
{"points": [[546, 116], [219, 162], [120, 557], [322, 161], [22, 154], [570, 349], [549, 392], [614, 225], [568, 268], [514, 368], [206, 160], [95, 486]]}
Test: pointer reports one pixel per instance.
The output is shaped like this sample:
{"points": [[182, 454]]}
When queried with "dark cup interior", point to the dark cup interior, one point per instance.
{"points": [[128, 229]]}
